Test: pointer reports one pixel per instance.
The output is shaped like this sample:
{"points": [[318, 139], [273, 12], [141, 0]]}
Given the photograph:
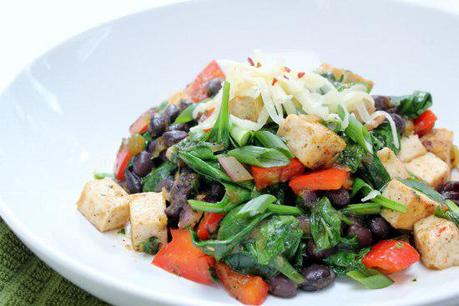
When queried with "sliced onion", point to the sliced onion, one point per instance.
{"points": [[234, 169]]}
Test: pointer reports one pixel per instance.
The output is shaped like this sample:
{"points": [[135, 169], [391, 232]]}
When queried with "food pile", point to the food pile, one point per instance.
{"points": [[272, 180]]}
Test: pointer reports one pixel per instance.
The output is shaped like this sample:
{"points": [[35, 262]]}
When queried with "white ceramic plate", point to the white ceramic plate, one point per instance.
{"points": [[64, 116]]}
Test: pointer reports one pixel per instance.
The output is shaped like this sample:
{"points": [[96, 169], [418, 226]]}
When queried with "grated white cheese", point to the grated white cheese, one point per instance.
{"points": [[285, 91]]}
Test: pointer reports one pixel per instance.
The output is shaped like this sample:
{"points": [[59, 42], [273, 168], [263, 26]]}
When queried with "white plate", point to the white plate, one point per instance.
{"points": [[64, 116]]}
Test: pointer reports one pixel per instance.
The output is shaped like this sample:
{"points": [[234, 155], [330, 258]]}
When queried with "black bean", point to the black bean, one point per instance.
{"points": [[133, 182], [316, 255], [309, 198], [157, 146], [305, 224], [282, 287], [338, 198], [214, 86], [181, 190], [173, 137], [382, 103], [184, 104], [380, 227], [450, 195], [178, 127], [171, 112], [363, 234], [450, 186], [167, 183], [158, 124], [317, 277], [143, 164], [399, 122]]}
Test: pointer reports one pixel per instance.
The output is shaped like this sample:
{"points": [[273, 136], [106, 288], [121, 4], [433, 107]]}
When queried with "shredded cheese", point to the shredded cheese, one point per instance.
{"points": [[285, 91]]}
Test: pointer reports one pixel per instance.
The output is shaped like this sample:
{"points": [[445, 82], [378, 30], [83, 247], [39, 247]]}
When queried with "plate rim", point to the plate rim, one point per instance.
{"points": [[75, 271]]}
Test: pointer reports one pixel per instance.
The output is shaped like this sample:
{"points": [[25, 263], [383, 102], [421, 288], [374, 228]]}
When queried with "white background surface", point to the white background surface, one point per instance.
{"points": [[30, 28]]}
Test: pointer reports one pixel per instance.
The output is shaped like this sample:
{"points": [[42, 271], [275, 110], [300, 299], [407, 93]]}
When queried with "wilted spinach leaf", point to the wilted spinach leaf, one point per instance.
{"points": [[352, 156], [345, 261], [382, 137], [412, 106], [151, 181], [325, 225], [372, 171]]}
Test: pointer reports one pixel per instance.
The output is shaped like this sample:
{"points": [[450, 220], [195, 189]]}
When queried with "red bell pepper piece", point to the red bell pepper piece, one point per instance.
{"points": [[209, 225], [328, 179], [182, 258], [424, 123], [390, 256], [140, 126], [267, 176], [248, 289], [123, 158], [197, 91]]}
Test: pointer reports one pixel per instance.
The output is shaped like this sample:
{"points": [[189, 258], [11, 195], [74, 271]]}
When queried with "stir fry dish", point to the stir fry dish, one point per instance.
{"points": [[267, 179]]}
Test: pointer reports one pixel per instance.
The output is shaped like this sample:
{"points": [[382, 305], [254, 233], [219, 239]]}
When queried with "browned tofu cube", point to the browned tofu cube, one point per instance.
{"points": [[429, 168], [105, 204], [419, 206], [410, 148], [312, 143], [440, 143], [393, 165], [437, 240]]}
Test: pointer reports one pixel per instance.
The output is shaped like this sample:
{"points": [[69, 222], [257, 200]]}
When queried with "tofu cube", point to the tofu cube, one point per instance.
{"points": [[419, 206], [393, 165], [246, 107], [148, 218], [429, 168], [440, 143], [437, 240], [312, 143], [411, 147], [105, 204]]}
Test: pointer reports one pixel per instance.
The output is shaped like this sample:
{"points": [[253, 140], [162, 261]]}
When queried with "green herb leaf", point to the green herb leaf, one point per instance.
{"points": [[278, 240], [284, 210], [362, 209], [256, 206], [150, 246], [360, 186], [352, 157], [221, 131], [231, 233], [346, 261], [152, 180], [412, 106], [373, 171], [452, 214], [370, 278], [259, 156], [204, 168], [424, 189], [187, 114], [234, 195], [325, 225], [356, 130], [102, 175], [382, 137], [269, 140]]}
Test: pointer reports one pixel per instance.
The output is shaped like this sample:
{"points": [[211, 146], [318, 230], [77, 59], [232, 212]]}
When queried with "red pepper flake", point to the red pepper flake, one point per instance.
{"points": [[287, 69], [300, 74], [258, 65], [251, 62], [286, 77], [274, 81]]}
